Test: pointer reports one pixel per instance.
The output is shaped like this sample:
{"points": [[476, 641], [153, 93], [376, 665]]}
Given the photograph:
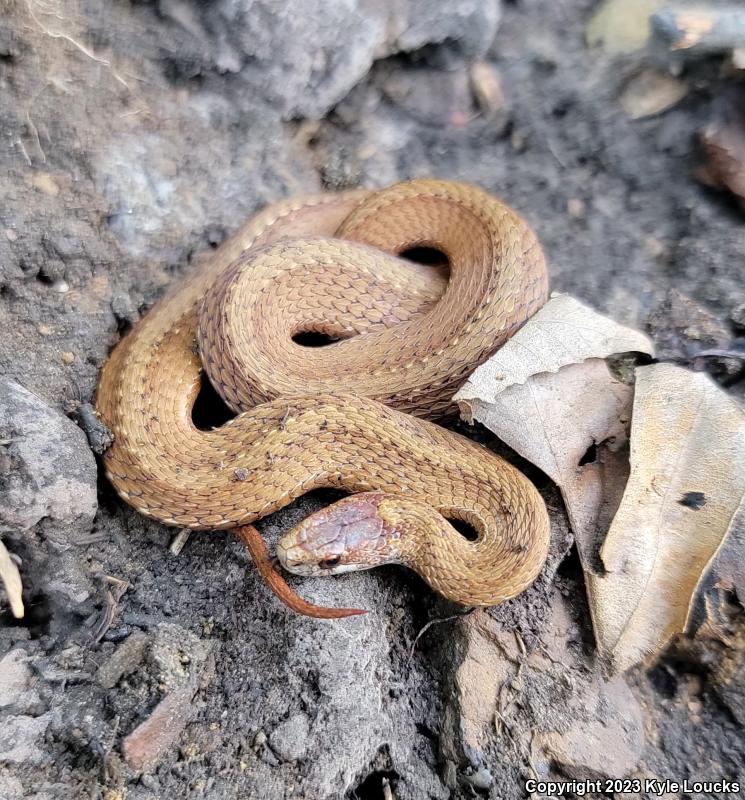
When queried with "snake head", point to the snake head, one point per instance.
{"points": [[347, 536]]}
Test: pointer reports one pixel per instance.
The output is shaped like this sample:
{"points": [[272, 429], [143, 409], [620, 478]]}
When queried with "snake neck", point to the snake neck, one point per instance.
{"points": [[374, 528], [470, 572]]}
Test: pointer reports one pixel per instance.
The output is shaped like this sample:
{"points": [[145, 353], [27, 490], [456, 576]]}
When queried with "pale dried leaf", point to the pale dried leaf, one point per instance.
{"points": [[553, 420], [563, 332], [11, 578], [549, 395], [621, 26], [686, 485], [724, 146], [651, 92]]}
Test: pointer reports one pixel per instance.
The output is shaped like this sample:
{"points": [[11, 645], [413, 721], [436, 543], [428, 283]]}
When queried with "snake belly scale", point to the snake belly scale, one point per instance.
{"points": [[351, 415]]}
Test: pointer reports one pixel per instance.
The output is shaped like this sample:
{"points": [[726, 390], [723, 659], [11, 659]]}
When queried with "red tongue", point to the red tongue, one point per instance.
{"points": [[260, 554]]}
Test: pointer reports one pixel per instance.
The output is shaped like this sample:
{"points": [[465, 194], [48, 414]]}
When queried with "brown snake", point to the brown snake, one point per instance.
{"points": [[333, 416]]}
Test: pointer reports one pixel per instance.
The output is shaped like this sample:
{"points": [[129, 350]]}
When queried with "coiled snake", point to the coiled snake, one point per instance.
{"points": [[348, 415]]}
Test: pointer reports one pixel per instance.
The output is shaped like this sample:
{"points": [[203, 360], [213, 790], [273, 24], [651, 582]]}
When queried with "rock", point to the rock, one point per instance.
{"points": [[125, 659], [10, 788], [176, 654], [146, 745], [651, 92], [607, 743], [481, 780], [19, 736], [182, 664], [737, 316], [149, 742], [52, 475], [682, 326], [259, 740], [306, 57], [414, 90], [14, 677], [289, 739], [576, 208], [693, 30], [729, 679], [482, 671]]}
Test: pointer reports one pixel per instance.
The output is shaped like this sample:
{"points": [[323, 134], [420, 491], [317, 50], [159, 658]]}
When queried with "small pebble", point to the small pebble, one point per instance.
{"points": [[695, 706], [737, 315], [260, 739], [45, 183], [518, 141], [289, 739], [481, 780], [68, 357], [150, 782]]}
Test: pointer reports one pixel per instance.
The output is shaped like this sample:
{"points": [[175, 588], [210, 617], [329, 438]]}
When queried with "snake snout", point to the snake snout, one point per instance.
{"points": [[291, 556]]}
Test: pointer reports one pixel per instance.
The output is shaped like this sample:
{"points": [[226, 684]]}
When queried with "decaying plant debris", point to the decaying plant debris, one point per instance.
{"points": [[11, 580], [649, 518]]}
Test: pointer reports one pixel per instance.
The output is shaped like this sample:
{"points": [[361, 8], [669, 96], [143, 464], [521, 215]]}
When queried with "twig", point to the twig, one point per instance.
{"points": [[179, 540], [25, 152], [432, 622], [111, 605], [92, 538], [526, 756], [35, 130], [720, 353], [108, 747], [81, 47], [10, 578]]}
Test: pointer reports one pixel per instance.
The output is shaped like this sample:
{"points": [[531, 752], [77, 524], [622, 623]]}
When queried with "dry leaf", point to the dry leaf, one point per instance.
{"points": [[724, 147], [686, 486], [668, 521], [11, 578], [555, 421], [621, 26], [549, 395], [651, 92], [563, 332]]}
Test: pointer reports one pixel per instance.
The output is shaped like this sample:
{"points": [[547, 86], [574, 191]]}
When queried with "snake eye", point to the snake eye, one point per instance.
{"points": [[327, 563]]}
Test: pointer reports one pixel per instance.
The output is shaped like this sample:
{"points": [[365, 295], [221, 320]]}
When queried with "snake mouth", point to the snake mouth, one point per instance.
{"points": [[291, 559], [283, 555]]}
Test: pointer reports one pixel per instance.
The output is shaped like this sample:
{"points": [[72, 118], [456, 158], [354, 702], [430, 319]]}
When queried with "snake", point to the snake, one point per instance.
{"points": [[358, 414]]}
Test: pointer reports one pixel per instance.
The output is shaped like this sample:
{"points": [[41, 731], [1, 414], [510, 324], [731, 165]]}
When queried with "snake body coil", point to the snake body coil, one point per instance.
{"points": [[334, 416]]}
